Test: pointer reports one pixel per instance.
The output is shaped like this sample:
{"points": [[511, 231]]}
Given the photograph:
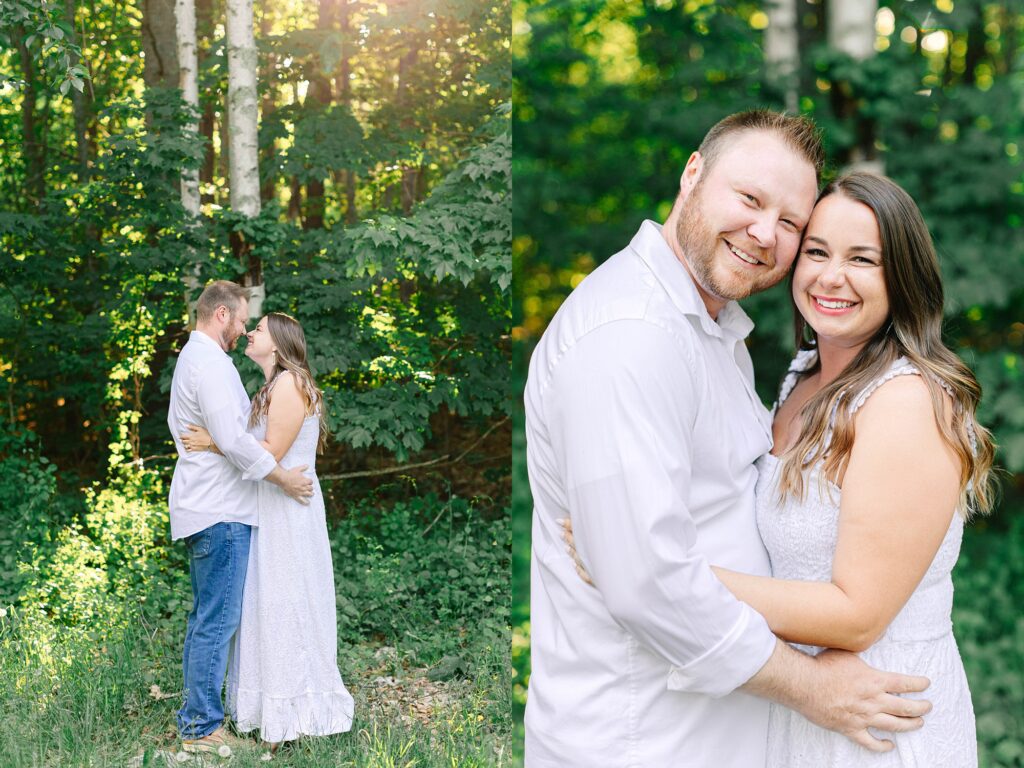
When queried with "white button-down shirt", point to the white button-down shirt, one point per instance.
{"points": [[643, 426], [207, 488]]}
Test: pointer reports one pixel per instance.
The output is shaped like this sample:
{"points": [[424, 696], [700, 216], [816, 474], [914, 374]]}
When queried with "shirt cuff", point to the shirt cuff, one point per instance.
{"points": [[261, 468], [733, 661]]}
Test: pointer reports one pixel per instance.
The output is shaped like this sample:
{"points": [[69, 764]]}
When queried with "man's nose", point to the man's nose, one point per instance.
{"points": [[762, 230]]}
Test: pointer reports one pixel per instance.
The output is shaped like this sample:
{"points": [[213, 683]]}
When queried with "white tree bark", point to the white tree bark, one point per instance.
{"points": [[188, 67], [243, 164], [243, 151], [851, 27], [781, 48]]}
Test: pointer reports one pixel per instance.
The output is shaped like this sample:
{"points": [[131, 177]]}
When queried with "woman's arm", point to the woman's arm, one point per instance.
{"points": [[899, 493], [285, 415]]}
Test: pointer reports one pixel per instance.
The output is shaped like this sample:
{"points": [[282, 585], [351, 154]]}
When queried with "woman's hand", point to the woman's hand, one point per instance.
{"points": [[198, 439], [570, 548]]}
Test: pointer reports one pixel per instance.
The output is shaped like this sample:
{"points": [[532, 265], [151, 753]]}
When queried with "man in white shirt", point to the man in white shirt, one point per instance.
{"points": [[643, 427], [212, 503]]}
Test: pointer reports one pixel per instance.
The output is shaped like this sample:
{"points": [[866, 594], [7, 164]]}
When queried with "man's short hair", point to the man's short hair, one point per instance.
{"points": [[797, 131], [219, 293]]}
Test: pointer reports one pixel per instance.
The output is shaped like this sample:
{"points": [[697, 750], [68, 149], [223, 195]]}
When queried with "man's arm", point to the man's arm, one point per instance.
{"points": [[893, 519], [838, 691], [226, 425], [621, 412]]}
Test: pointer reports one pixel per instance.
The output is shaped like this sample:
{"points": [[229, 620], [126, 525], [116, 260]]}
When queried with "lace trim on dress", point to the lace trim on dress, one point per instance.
{"points": [[800, 364]]}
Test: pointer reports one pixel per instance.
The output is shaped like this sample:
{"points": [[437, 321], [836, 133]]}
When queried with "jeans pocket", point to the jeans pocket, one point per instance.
{"points": [[199, 544]]}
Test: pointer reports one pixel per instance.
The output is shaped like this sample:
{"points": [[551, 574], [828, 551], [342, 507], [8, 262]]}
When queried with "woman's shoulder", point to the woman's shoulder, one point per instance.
{"points": [[900, 380], [899, 400], [285, 388]]}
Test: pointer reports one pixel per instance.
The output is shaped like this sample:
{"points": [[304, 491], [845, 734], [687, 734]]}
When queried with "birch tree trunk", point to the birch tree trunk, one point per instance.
{"points": [[781, 49], [851, 29], [207, 122], [243, 151], [188, 68]]}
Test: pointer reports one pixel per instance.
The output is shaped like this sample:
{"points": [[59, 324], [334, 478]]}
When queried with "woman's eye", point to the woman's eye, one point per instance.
{"points": [[815, 253]]}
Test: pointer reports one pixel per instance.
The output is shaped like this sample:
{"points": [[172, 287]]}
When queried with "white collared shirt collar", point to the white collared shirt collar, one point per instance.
{"points": [[650, 244], [202, 338]]}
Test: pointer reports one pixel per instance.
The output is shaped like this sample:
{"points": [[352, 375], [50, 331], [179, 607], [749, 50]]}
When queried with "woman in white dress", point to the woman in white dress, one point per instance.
{"points": [[283, 674], [878, 460]]}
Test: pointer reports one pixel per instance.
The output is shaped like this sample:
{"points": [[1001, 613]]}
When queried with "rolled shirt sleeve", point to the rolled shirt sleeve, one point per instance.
{"points": [[225, 422], [623, 405]]}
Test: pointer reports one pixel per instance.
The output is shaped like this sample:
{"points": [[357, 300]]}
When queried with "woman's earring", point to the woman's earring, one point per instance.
{"points": [[808, 335]]}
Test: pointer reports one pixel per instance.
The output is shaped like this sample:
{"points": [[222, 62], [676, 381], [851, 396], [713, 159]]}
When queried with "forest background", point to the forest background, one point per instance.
{"points": [[610, 98], [383, 224]]}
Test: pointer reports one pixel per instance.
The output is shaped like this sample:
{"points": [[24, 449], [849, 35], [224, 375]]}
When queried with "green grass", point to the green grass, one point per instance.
{"points": [[423, 647]]}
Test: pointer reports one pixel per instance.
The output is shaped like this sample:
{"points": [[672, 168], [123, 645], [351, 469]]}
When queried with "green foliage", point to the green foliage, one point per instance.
{"points": [[424, 563], [989, 580], [34, 23], [28, 496]]}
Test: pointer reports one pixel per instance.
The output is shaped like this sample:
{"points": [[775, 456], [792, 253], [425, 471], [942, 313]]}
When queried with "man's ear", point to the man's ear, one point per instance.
{"points": [[222, 313], [691, 174]]}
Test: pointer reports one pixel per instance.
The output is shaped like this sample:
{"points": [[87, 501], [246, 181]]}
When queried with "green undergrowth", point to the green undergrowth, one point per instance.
{"points": [[95, 599]]}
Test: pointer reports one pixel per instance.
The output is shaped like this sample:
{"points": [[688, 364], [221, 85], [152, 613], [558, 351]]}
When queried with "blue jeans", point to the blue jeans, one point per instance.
{"points": [[217, 560]]}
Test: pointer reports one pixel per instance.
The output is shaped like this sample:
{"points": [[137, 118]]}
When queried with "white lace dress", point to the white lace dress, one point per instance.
{"points": [[801, 541], [283, 675]]}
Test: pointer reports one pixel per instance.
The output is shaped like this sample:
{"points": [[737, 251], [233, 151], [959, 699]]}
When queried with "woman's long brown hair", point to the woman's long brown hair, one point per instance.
{"points": [[914, 331], [290, 341]]}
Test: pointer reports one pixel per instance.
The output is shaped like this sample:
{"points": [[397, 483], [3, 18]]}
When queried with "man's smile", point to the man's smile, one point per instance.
{"points": [[744, 256]]}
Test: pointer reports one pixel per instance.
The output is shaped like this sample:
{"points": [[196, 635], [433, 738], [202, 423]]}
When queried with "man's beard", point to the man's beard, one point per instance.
{"points": [[226, 339], [699, 242]]}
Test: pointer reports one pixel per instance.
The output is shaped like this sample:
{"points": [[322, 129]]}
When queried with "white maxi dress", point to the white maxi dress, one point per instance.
{"points": [[283, 676], [801, 542]]}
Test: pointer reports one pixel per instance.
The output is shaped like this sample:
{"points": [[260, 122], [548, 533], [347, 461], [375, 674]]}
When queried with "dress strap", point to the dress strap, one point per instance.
{"points": [[805, 358], [902, 367]]}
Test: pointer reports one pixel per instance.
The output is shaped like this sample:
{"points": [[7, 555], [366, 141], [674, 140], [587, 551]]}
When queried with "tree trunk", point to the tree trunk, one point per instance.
{"points": [[268, 189], [208, 120], [408, 183], [243, 160], [975, 47], [851, 29], [318, 97], [781, 50], [159, 46], [35, 159], [80, 104], [345, 95], [188, 72]]}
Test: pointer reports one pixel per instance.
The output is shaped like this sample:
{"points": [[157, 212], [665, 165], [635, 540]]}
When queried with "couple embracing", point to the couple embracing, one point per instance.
{"points": [[246, 501], [719, 586]]}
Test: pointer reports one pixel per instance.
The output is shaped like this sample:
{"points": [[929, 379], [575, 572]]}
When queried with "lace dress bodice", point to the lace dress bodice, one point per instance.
{"points": [[800, 537], [303, 449]]}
